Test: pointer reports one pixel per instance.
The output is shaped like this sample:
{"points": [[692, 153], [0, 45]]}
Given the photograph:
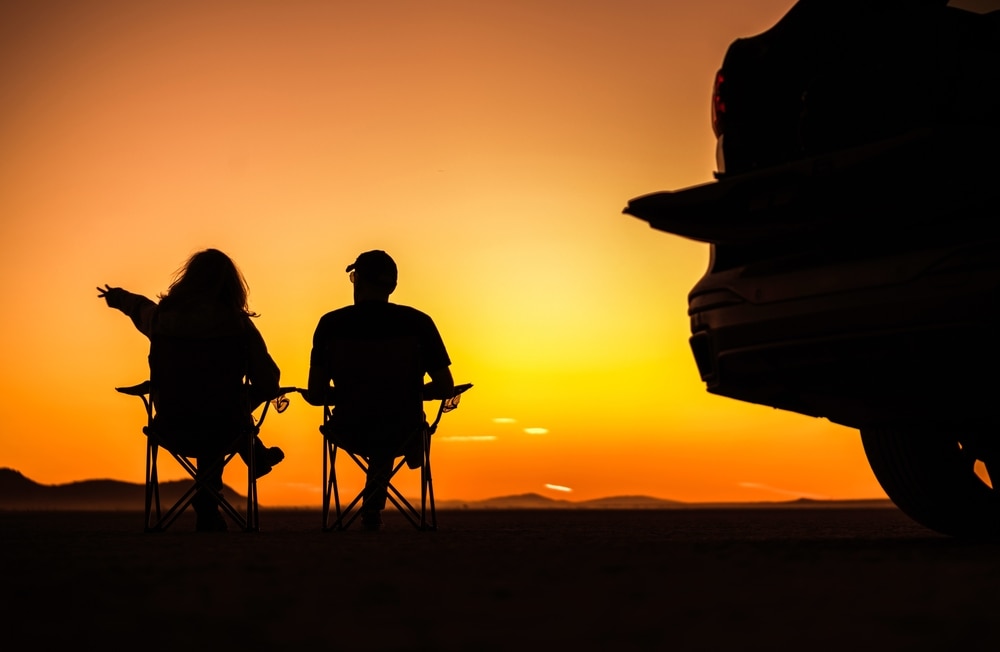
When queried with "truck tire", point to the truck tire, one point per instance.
{"points": [[932, 480]]}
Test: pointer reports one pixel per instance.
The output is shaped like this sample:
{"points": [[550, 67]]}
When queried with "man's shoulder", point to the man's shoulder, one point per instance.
{"points": [[337, 313], [409, 311], [374, 315]]}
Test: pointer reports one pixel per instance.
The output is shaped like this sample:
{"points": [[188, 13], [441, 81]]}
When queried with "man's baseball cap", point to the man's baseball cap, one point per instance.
{"points": [[375, 267]]}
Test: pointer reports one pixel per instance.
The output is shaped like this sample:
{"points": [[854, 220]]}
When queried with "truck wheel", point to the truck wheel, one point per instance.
{"points": [[933, 480]]}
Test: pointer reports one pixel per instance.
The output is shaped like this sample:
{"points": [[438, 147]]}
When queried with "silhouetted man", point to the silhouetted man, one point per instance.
{"points": [[369, 361]]}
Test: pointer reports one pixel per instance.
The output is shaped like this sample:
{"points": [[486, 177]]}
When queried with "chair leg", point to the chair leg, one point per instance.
{"points": [[152, 489], [241, 520], [427, 489], [330, 489], [423, 519], [344, 515], [164, 520], [350, 512], [248, 521], [252, 520], [167, 519]]}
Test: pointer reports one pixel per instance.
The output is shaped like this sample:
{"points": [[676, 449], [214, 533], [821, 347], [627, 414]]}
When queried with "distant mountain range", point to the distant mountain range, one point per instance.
{"points": [[20, 493]]}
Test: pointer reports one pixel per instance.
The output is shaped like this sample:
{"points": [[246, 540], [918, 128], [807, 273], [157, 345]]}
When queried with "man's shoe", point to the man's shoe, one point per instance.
{"points": [[414, 453], [414, 459]]}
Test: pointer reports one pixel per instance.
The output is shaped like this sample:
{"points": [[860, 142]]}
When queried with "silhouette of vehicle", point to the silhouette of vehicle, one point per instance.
{"points": [[854, 270]]}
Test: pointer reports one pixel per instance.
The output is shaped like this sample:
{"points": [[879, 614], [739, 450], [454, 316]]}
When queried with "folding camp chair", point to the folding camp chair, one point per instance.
{"points": [[424, 518], [155, 518], [203, 381]]}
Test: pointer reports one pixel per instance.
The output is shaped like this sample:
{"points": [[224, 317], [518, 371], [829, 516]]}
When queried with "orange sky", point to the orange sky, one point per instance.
{"points": [[488, 146]]}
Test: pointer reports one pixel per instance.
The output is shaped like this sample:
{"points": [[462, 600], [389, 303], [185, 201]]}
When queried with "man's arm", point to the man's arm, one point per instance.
{"points": [[319, 392], [441, 385]]}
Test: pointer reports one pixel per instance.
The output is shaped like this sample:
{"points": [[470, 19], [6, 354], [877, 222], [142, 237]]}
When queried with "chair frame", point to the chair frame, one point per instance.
{"points": [[423, 519], [158, 520]]}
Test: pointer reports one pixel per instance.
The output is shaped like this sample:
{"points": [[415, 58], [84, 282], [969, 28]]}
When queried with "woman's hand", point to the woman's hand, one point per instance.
{"points": [[112, 296]]}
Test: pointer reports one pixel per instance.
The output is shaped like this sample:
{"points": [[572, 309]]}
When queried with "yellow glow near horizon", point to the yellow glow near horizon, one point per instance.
{"points": [[489, 147]]}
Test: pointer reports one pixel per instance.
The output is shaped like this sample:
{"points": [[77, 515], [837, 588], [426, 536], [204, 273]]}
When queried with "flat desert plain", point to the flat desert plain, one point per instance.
{"points": [[807, 578]]}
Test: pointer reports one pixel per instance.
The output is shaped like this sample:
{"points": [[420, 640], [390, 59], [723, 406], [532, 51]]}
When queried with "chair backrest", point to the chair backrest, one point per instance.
{"points": [[198, 390], [379, 392]]}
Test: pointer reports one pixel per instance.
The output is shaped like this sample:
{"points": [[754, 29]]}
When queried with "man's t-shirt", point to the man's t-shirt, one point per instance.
{"points": [[376, 354]]}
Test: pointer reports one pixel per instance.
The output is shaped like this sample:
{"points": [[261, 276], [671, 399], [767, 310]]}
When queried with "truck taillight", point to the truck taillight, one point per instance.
{"points": [[718, 105]]}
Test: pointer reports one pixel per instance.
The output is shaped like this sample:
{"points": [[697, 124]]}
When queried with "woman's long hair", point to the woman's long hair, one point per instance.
{"points": [[210, 275]]}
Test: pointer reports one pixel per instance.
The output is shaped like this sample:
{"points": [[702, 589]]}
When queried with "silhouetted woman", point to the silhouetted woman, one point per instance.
{"points": [[207, 345]]}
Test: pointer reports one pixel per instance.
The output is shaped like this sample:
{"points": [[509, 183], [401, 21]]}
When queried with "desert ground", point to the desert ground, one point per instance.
{"points": [[693, 579]]}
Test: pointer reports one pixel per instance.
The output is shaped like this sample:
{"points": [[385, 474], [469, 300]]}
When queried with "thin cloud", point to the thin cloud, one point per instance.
{"points": [[468, 438], [536, 431], [504, 420], [558, 487]]}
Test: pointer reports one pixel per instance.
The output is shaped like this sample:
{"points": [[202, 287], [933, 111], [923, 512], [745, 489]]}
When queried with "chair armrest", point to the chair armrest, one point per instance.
{"points": [[135, 390]]}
